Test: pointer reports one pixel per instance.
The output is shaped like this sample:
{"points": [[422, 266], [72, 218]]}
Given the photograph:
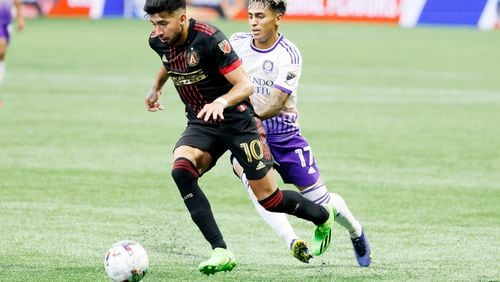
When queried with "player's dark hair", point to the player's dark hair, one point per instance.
{"points": [[277, 6], [163, 6]]}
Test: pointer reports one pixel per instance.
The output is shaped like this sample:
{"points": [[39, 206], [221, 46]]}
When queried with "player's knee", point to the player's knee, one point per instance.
{"points": [[338, 202], [177, 174], [184, 170]]}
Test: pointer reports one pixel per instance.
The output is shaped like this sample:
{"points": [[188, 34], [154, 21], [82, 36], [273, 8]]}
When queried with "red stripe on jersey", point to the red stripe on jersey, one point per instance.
{"points": [[196, 102], [199, 98], [187, 90], [231, 67], [177, 65], [204, 28], [185, 60], [171, 55], [185, 95]]}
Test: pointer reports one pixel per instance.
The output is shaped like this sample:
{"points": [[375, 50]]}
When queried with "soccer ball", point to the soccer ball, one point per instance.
{"points": [[126, 261]]}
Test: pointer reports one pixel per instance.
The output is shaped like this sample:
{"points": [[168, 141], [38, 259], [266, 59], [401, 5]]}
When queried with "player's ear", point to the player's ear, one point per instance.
{"points": [[277, 21], [183, 19]]}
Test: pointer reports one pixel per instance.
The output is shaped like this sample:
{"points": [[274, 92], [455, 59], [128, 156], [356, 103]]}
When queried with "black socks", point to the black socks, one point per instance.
{"points": [[291, 202], [185, 176]]}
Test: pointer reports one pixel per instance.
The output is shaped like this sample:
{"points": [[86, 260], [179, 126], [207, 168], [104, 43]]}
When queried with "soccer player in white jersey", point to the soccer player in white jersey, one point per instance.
{"points": [[275, 64]]}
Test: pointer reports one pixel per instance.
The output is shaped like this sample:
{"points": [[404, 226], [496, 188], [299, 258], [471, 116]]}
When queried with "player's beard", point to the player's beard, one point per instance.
{"points": [[175, 39]]}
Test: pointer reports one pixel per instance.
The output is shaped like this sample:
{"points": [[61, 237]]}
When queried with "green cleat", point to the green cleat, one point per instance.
{"points": [[323, 233], [221, 260], [300, 250]]}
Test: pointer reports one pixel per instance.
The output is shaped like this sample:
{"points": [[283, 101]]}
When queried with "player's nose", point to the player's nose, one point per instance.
{"points": [[158, 31]]}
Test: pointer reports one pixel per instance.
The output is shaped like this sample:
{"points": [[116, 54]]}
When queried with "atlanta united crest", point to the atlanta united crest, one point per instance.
{"points": [[224, 46], [193, 58]]}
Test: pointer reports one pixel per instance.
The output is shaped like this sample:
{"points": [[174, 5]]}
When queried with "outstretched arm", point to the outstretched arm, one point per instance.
{"points": [[151, 101]]}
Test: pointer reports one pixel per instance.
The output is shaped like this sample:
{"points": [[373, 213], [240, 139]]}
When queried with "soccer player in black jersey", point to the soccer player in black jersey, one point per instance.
{"points": [[212, 84]]}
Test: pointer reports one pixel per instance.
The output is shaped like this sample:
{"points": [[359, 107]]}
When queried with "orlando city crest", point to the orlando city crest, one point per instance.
{"points": [[267, 66]]}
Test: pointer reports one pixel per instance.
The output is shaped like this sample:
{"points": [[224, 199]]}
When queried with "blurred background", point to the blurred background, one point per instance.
{"points": [[408, 13], [400, 100]]}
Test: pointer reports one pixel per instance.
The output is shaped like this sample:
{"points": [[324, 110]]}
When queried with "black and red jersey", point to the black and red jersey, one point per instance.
{"points": [[197, 67]]}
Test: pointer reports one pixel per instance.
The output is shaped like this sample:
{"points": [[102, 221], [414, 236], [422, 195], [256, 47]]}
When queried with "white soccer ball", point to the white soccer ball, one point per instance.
{"points": [[126, 261]]}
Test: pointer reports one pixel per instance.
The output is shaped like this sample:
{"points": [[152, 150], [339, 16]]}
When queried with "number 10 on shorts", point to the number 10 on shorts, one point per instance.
{"points": [[253, 150]]}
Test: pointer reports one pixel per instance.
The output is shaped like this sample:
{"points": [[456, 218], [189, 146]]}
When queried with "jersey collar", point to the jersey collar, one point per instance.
{"points": [[191, 32], [268, 49]]}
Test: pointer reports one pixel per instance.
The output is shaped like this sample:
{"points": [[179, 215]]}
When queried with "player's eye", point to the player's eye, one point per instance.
{"points": [[161, 23]]}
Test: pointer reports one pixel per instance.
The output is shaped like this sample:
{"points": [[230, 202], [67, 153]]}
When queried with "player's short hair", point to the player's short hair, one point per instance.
{"points": [[163, 6], [278, 6]]}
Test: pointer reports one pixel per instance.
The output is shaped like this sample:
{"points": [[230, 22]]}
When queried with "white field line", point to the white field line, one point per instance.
{"points": [[311, 92], [399, 73], [383, 94], [85, 78], [315, 71]]}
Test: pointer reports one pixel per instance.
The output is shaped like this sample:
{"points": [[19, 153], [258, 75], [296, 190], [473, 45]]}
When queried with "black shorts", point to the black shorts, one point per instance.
{"points": [[241, 137]]}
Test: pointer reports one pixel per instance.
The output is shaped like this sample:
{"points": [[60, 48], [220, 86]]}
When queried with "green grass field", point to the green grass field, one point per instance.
{"points": [[404, 124]]}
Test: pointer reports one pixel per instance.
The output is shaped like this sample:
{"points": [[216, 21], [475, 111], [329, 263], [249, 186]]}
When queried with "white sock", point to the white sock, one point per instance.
{"points": [[278, 221], [2, 71], [319, 194]]}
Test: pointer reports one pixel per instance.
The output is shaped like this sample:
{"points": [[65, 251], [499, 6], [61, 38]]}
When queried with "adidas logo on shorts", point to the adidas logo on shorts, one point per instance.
{"points": [[260, 166]]}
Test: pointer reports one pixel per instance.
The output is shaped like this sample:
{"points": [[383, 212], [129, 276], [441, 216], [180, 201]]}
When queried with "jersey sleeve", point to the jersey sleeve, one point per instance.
{"points": [[290, 68], [238, 36], [288, 77], [233, 37], [224, 54]]}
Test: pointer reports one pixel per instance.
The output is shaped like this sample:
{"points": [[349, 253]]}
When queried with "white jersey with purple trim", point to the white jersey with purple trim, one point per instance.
{"points": [[279, 66]]}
